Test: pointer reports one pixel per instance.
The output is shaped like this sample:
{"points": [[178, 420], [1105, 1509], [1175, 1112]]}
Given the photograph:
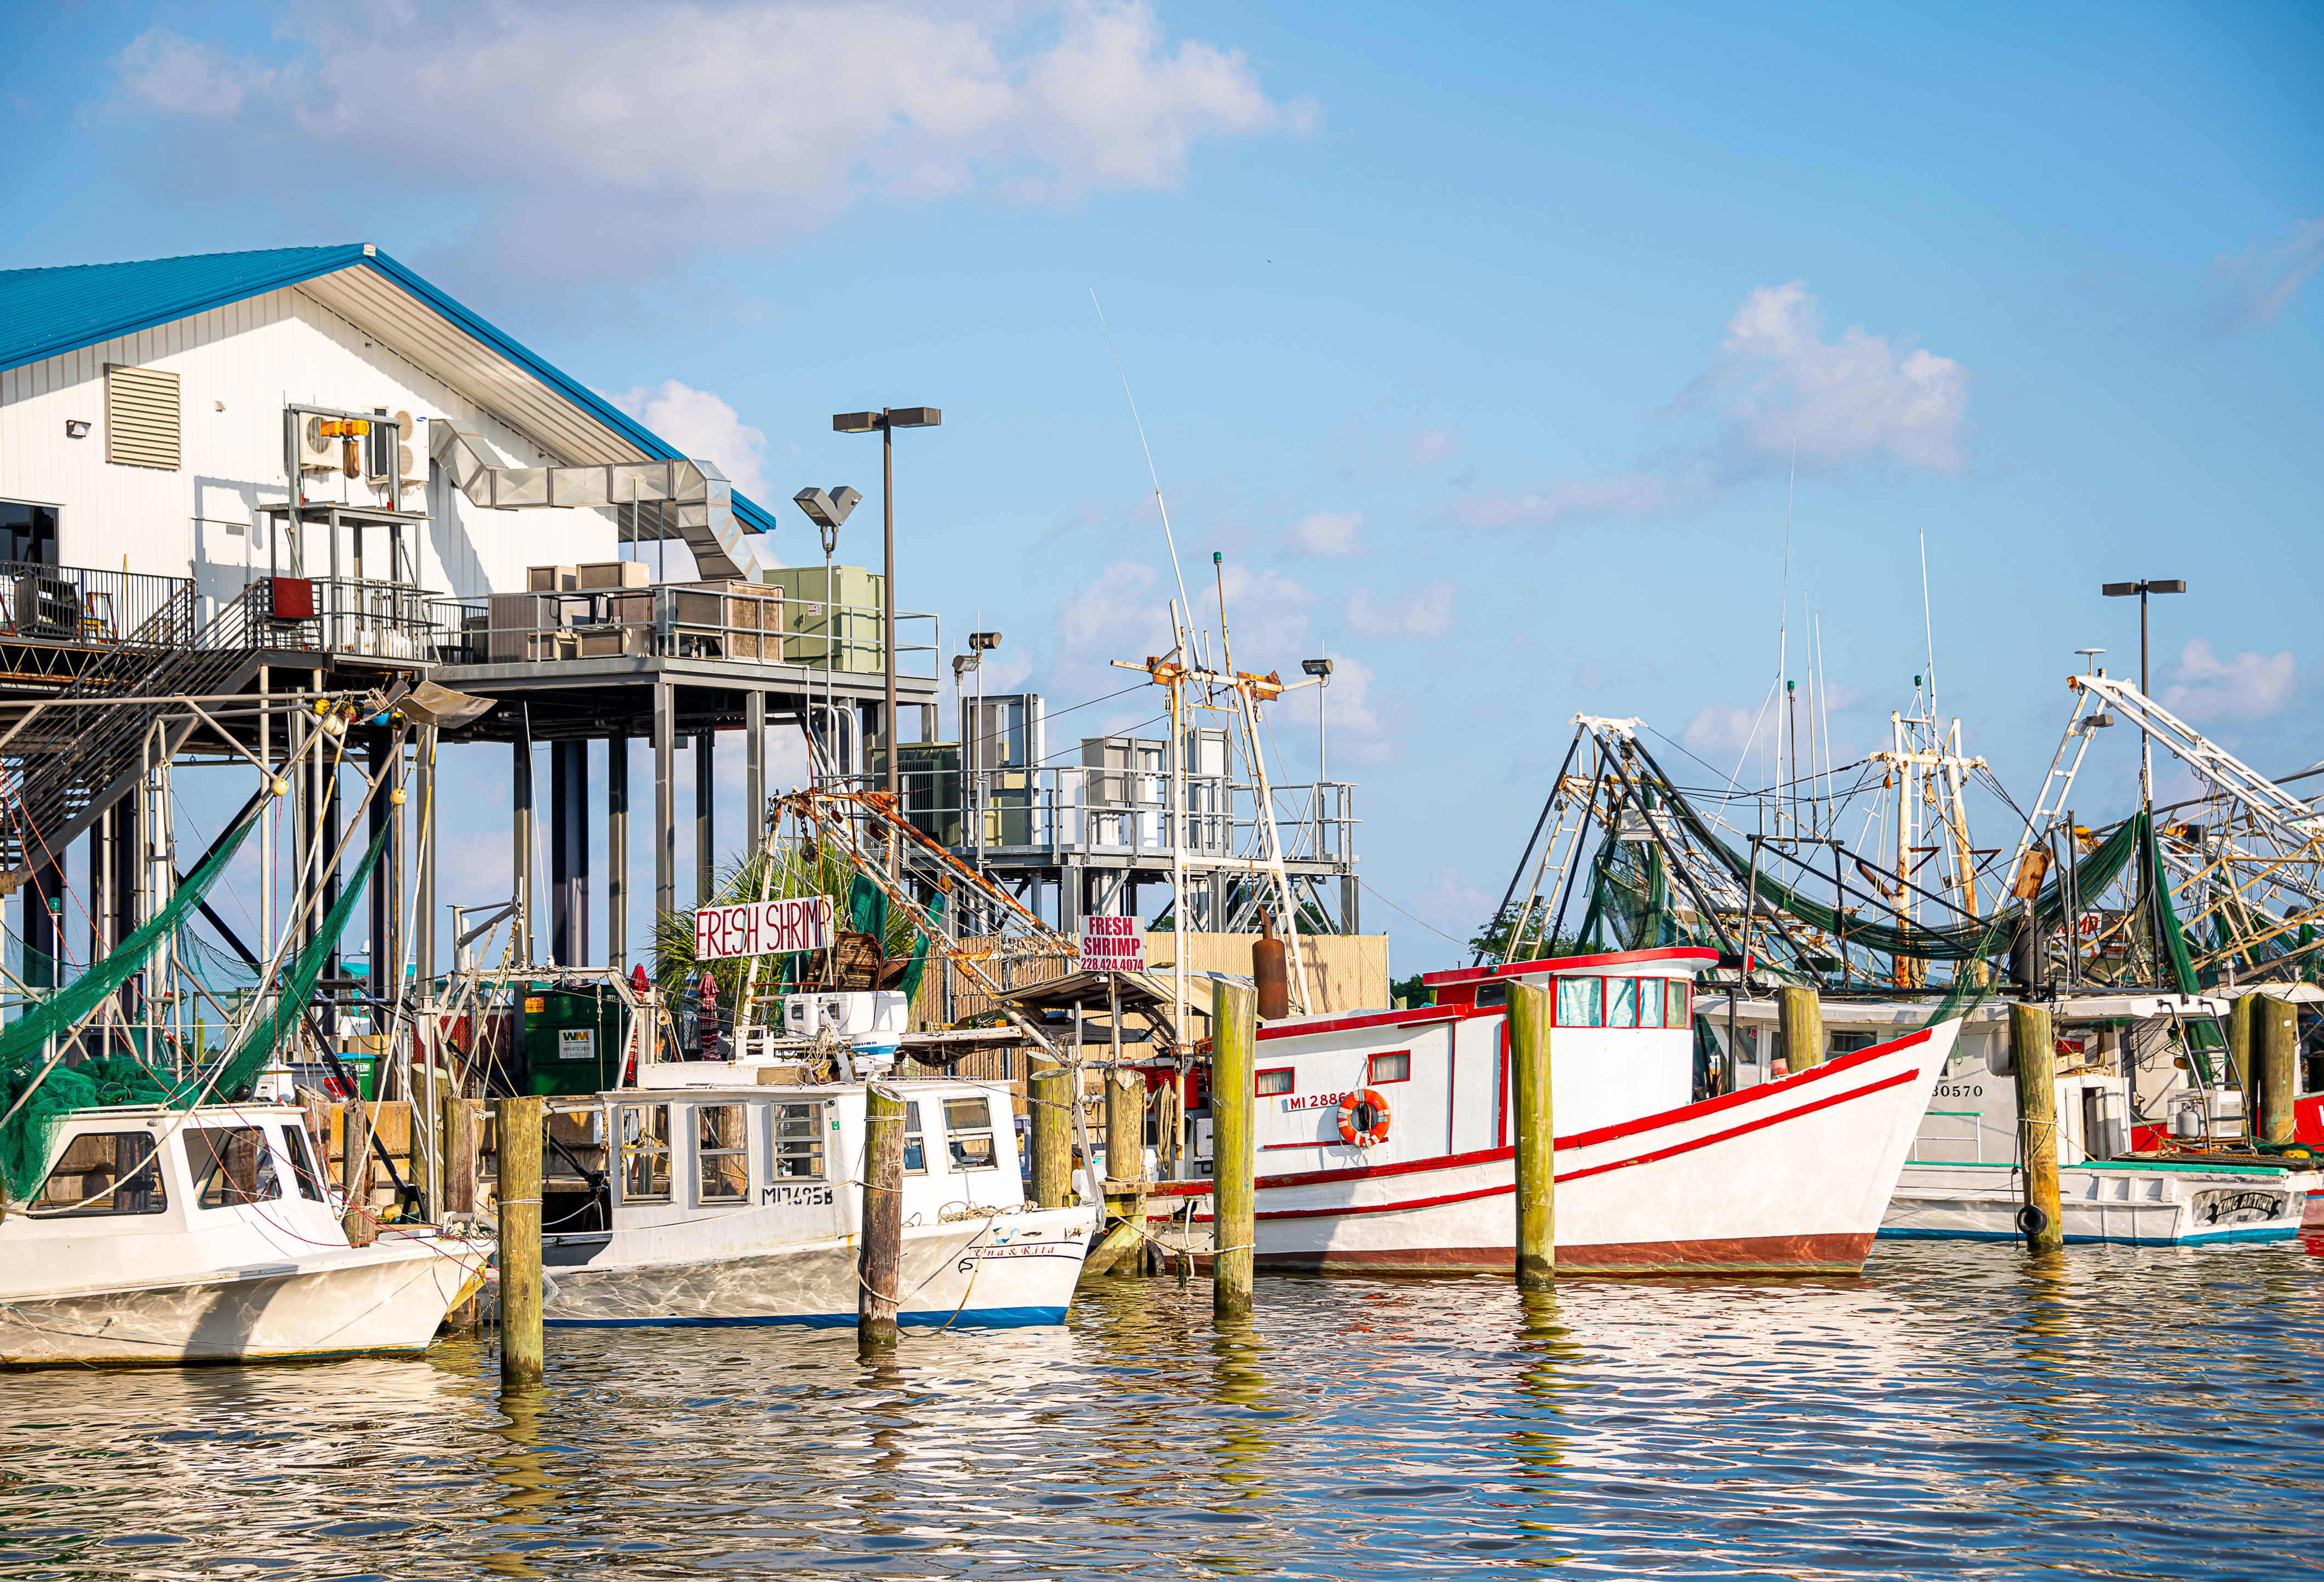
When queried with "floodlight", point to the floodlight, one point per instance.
{"points": [[1316, 666], [855, 422], [826, 510], [982, 640]]}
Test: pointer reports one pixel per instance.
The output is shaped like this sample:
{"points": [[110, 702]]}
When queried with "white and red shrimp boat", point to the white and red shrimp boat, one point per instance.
{"points": [[1384, 1138]]}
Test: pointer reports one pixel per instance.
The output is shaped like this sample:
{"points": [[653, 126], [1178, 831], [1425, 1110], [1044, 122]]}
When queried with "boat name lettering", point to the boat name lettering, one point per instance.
{"points": [[1312, 1101], [2238, 1208], [970, 1260], [802, 1197], [1961, 1089]]}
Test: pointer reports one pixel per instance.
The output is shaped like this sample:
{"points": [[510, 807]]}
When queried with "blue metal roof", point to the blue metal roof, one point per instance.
{"points": [[46, 312]]}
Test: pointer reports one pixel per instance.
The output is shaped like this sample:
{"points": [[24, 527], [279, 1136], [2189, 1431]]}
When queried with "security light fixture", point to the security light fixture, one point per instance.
{"points": [[826, 510], [961, 663], [2141, 589], [76, 428], [1316, 666], [982, 640]]}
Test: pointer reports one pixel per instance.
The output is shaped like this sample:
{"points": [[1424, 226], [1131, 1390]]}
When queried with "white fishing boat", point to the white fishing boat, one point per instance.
{"points": [[2117, 1068], [1384, 1139], [167, 1237], [733, 1201]]}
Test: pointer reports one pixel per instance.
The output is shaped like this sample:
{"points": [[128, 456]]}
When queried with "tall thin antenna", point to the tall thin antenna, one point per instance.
{"points": [[1168, 537], [1783, 638], [1928, 628]]}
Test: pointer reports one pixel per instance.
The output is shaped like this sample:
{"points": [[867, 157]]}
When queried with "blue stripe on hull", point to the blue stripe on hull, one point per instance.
{"points": [[984, 1317], [2259, 1233]]}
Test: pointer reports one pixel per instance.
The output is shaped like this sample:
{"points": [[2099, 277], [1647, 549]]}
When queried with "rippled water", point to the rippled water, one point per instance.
{"points": [[1957, 1412]]}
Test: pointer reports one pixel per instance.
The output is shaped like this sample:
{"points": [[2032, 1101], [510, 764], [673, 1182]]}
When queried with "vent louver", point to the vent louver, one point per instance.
{"points": [[141, 416]]}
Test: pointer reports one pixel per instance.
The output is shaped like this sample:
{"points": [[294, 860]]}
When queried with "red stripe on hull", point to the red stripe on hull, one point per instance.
{"points": [[1837, 1254]]}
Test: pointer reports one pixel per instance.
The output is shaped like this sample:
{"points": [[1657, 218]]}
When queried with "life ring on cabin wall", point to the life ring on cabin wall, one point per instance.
{"points": [[1363, 1118]]}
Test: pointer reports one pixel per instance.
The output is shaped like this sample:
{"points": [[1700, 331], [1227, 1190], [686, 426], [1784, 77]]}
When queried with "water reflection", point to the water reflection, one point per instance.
{"points": [[1961, 1409]]}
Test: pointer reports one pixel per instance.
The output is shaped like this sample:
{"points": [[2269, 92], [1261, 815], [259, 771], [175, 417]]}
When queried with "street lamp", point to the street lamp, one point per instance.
{"points": [[2145, 742], [973, 738], [885, 422], [1321, 670], [2145, 739], [827, 512]]}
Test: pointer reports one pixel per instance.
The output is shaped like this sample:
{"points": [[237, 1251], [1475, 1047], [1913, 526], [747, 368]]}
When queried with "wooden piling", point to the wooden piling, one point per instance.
{"points": [[1529, 1018], [2275, 1050], [878, 1269], [1125, 1126], [1798, 1017], [2032, 1056], [2243, 1050], [1234, 1048], [1050, 1092], [522, 1121]]}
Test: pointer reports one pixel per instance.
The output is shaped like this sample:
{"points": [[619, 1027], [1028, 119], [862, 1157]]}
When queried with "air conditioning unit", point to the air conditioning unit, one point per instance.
{"points": [[332, 445]]}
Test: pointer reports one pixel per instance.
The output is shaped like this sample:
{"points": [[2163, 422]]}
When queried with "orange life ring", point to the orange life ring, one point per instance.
{"points": [[1362, 1103]]}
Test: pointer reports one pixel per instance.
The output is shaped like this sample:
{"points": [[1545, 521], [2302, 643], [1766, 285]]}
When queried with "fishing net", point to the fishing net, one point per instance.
{"points": [[34, 1092], [292, 989]]}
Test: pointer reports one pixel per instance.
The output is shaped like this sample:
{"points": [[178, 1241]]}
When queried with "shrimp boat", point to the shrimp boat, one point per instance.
{"points": [[162, 1236], [730, 1199], [1384, 1139], [2119, 1072]]}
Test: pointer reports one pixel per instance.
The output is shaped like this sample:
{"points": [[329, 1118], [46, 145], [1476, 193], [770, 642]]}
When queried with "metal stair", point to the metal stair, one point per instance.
{"points": [[66, 766]]}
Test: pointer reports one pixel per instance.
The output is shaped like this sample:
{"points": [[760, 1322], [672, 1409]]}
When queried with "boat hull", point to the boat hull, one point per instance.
{"points": [[387, 1297], [1788, 1178], [1000, 1272], [2131, 1206]]}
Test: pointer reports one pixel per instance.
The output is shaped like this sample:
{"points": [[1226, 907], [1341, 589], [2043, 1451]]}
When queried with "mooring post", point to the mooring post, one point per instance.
{"points": [[1799, 1018], [1050, 1091], [1234, 1042], [883, 1217], [2275, 1040], [521, 1121], [2243, 1050], [2032, 1058], [1537, 1146]]}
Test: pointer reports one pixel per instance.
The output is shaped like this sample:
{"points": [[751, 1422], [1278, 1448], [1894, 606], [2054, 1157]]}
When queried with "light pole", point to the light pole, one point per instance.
{"points": [[827, 512], [1321, 670], [885, 422], [2145, 739]]}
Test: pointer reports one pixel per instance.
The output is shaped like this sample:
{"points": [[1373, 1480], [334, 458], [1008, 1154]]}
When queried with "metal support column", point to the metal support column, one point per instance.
{"points": [[754, 769], [705, 836], [330, 857], [378, 811], [42, 934], [568, 852], [665, 747], [422, 807], [521, 848], [617, 850]]}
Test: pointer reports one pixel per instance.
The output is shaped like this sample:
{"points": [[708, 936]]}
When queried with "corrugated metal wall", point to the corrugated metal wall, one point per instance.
{"points": [[236, 368]]}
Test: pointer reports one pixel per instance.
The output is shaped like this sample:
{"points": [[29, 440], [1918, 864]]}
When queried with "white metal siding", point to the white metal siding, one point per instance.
{"points": [[141, 418], [237, 367]]}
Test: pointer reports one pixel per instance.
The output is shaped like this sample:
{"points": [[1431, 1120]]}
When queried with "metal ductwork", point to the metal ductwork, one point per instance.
{"points": [[704, 499]]}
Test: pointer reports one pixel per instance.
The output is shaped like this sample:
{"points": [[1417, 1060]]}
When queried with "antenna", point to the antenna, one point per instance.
{"points": [[1928, 629], [1783, 636], [1168, 537]]}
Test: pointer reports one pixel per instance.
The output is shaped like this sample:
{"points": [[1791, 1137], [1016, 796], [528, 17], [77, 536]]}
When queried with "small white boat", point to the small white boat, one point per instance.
{"points": [[167, 1237], [728, 1204], [1963, 1181], [1789, 1178]]}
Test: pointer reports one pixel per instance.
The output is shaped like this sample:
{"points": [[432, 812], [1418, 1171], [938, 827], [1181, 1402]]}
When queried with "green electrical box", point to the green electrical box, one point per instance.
{"points": [[572, 1039]]}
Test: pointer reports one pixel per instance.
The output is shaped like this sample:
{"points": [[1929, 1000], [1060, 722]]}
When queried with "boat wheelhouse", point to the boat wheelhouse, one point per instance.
{"points": [[165, 1237], [726, 1203]]}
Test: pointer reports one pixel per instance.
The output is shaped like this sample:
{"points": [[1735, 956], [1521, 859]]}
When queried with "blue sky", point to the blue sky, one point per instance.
{"points": [[1481, 340]]}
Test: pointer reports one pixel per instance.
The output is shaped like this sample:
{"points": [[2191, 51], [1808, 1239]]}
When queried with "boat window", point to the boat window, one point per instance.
{"points": [[915, 1151], [104, 1172], [1275, 1082], [721, 1158], [1650, 1002], [1577, 1002], [1391, 1068], [1676, 1012], [231, 1165], [798, 1142], [645, 1152], [1848, 1043], [1492, 994], [1621, 1002], [968, 1127], [302, 1164]]}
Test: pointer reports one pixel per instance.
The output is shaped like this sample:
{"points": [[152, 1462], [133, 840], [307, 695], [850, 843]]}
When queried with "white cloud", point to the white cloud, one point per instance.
{"points": [[700, 423], [1457, 907], [1427, 612], [605, 143], [2250, 288], [2250, 686], [1775, 389], [1720, 729], [1325, 535]]}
